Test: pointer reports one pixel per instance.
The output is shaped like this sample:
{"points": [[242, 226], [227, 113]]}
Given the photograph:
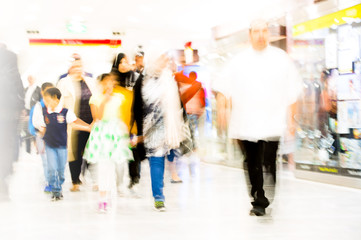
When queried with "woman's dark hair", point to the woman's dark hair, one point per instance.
{"points": [[53, 92], [120, 77], [117, 60], [46, 85]]}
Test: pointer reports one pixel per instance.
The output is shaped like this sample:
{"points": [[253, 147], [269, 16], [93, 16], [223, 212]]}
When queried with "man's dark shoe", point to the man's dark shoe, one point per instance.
{"points": [[258, 211]]}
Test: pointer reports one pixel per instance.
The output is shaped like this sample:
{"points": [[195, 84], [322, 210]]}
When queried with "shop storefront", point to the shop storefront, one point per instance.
{"points": [[327, 51]]}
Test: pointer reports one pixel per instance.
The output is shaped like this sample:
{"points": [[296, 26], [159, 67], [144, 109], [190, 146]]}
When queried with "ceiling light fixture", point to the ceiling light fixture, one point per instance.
{"points": [[76, 25]]}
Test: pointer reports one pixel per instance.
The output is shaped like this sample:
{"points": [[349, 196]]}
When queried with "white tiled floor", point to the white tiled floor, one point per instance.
{"points": [[214, 205]]}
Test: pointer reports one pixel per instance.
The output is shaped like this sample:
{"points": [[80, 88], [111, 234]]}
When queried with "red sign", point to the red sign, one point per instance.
{"points": [[76, 42]]}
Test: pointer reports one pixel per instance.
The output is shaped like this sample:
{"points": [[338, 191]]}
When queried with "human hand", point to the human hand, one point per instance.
{"points": [[42, 131], [107, 94], [133, 141], [23, 113], [291, 128]]}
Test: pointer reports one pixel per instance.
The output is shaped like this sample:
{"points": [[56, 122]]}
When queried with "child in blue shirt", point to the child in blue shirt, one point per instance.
{"points": [[52, 123], [40, 144]]}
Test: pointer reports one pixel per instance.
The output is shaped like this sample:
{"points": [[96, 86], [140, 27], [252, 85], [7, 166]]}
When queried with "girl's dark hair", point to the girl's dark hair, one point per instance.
{"points": [[102, 76], [46, 85], [53, 92]]}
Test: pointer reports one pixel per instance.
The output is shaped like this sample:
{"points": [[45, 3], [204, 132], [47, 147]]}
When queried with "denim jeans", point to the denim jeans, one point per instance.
{"points": [[40, 145], [157, 175], [57, 158]]}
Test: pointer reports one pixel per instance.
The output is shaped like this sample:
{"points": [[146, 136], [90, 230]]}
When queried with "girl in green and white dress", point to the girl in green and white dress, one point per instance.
{"points": [[108, 144]]}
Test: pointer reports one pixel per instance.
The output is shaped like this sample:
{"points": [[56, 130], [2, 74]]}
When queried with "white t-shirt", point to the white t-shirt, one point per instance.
{"points": [[261, 85], [38, 117]]}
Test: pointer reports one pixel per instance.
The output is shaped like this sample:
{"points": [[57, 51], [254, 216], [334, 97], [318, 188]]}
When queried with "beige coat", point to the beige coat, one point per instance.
{"points": [[70, 98]]}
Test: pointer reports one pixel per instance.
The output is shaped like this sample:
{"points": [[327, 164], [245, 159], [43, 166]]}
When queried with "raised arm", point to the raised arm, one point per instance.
{"points": [[80, 125]]}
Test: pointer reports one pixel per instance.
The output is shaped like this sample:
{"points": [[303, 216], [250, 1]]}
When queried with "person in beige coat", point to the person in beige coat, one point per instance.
{"points": [[76, 91]]}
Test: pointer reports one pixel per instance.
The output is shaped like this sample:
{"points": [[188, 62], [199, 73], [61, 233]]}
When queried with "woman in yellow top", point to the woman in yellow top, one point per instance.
{"points": [[130, 85]]}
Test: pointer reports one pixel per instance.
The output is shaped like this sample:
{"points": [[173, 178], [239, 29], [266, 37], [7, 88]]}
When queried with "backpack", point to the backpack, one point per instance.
{"points": [[31, 128]]}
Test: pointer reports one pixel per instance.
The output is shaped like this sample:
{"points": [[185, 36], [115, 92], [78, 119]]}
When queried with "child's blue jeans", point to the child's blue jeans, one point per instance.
{"points": [[56, 158]]}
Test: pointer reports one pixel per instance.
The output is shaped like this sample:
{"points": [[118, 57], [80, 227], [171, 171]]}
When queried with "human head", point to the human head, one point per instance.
{"points": [[52, 97], [259, 34], [31, 80], [119, 62], [162, 62], [325, 74], [76, 68], [139, 60], [45, 87], [192, 76], [108, 81], [75, 56]]}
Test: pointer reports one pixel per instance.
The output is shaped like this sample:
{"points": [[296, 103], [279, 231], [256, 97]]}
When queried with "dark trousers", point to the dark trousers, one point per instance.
{"points": [[134, 166], [260, 162], [27, 138], [75, 166]]}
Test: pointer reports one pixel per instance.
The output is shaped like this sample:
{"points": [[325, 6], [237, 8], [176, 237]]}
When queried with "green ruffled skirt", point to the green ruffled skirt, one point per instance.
{"points": [[108, 141]]}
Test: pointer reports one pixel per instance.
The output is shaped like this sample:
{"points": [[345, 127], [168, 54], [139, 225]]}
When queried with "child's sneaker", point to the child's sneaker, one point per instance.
{"points": [[159, 206], [56, 197], [47, 189], [60, 197], [102, 207], [53, 198]]}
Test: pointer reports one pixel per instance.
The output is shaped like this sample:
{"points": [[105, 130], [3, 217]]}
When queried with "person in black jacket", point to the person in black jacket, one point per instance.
{"points": [[132, 80]]}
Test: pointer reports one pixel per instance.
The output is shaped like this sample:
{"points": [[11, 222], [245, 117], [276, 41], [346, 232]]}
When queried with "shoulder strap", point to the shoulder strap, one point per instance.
{"points": [[42, 103]]}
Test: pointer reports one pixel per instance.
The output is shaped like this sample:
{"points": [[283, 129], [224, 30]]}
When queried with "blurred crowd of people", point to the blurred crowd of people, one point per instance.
{"points": [[106, 127], [134, 112]]}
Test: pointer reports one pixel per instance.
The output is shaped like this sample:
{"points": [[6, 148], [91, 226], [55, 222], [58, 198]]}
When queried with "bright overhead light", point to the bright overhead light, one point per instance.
{"points": [[133, 19], [77, 19], [145, 9], [86, 9], [34, 8], [30, 18]]}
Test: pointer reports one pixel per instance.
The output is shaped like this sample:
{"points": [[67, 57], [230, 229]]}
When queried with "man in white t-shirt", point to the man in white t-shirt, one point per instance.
{"points": [[262, 85]]}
